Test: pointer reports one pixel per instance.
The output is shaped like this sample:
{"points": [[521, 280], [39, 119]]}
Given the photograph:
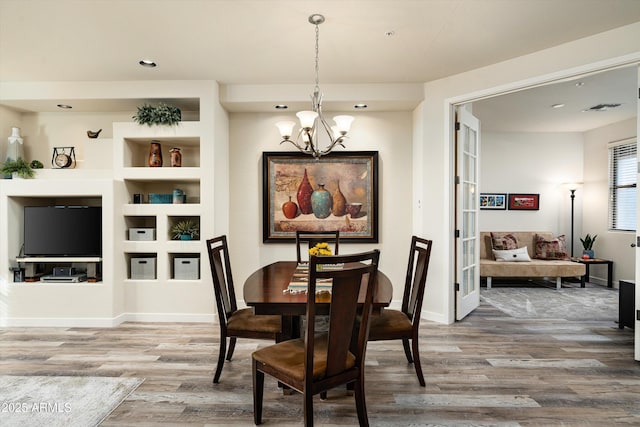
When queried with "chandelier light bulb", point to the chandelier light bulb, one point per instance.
{"points": [[343, 123], [307, 119], [286, 129]]}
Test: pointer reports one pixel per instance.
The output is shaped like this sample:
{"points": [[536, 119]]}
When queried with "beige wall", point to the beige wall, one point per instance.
{"points": [[533, 163], [252, 133]]}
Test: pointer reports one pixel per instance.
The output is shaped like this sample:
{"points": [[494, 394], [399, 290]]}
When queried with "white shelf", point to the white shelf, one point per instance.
{"points": [[155, 209], [59, 259], [189, 174]]}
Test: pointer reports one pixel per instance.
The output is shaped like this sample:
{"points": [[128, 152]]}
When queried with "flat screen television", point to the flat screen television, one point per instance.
{"points": [[62, 231]]}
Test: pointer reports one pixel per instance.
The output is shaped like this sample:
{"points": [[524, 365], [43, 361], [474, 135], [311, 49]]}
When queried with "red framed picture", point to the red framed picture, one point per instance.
{"points": [[524, 202]]}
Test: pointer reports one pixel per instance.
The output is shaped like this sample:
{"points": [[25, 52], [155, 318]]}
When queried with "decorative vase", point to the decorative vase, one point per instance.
{"points": [[321, 202], [14, 149], [185, 236], [305, 190], [339, 202], [589, 253], [176, 157], [155, 154], [290, 209]]}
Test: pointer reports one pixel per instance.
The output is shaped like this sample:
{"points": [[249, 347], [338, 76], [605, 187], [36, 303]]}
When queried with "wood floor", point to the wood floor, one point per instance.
{"points": [[488, 370]]}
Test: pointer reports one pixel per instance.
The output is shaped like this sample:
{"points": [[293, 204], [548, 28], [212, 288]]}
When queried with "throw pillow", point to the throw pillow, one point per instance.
{"points": [[512, 255], [503, 242], [555, 248]]}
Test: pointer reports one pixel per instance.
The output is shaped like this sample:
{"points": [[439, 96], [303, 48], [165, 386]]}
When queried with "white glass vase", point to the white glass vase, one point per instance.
{"points": [[14, 147]]}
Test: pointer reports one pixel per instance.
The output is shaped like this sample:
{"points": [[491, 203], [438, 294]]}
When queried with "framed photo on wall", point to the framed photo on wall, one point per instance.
{"points": [[493, 201], [339, 191], [524, 202]]}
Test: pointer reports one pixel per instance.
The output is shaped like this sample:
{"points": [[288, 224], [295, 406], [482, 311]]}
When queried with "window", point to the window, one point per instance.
{"points": [[622, 185]]}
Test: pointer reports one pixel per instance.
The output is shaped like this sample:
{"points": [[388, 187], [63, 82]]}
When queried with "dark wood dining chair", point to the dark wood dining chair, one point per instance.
{"points": [[403, 324], [323, 360], [234, 323], [305, 240]]}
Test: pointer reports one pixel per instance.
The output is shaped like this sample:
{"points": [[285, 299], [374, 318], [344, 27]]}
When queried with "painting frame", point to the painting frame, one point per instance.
{"points": [[353, 173], [493, 201], [524, 202]]}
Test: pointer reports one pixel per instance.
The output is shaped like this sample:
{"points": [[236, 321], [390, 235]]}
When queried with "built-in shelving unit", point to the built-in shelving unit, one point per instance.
{"points": [[110, 171]]}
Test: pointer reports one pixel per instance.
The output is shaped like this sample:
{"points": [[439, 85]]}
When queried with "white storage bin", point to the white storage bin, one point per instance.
{"points": [[186, 268], [143, 268], [142, 234]]}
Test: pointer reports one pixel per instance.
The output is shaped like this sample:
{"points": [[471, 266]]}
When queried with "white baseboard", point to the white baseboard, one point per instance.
{"points": [[101, 322]]}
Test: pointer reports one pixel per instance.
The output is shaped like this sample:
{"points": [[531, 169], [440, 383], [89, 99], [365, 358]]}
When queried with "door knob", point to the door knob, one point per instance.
{"points": [[633, 245]]}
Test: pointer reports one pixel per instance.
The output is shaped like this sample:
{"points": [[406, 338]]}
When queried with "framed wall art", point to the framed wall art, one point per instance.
{"points": [[339, 191], [524, 202], [493, 201]]}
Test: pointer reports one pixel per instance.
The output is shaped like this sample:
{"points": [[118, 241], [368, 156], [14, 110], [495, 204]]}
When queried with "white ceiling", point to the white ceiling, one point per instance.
{"points": [[246, 42]]}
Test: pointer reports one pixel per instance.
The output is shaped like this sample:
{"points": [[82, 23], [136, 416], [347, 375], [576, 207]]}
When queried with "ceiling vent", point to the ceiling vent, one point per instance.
{"points": [[603, 107]]}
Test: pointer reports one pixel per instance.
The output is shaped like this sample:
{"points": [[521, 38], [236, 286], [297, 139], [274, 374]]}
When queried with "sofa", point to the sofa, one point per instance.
{"points": [[550, 261]]}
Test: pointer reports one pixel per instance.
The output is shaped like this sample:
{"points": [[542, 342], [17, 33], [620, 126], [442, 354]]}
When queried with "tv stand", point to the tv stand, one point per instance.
{"points": [[31, 262]]}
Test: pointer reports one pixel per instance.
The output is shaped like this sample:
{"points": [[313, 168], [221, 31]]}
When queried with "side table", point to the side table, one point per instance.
{"points": [[592, 261], [627, 304]]}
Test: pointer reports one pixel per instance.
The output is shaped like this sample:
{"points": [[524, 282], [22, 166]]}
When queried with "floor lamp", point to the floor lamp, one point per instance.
{"points": [[572, 187]]}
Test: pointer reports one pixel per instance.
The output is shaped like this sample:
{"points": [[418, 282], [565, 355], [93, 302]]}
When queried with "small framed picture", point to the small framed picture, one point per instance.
{"points": [[524, 202], [493, 201]]}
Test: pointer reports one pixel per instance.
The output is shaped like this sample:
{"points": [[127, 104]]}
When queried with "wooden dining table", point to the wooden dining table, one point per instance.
{"points": [[266, 291]]}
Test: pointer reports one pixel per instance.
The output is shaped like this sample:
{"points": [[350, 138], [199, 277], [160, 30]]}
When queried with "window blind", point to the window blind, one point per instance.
{"points": [[623, 173]]}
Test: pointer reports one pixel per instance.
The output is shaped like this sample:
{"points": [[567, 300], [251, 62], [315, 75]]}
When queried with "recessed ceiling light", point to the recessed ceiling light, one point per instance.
{"points": [[360, 106], [281, 107], [390, 33], [580, 84], [64, 106], [557, 106], [148, 63]]}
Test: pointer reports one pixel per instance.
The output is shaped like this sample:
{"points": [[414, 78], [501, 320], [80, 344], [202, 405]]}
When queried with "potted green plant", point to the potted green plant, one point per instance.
{"points": [[185, 230], [18, 168], [161, 114], [587, 244]]}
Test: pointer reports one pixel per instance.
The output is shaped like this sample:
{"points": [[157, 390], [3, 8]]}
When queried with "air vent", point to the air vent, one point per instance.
{"points": [[603, 107]]}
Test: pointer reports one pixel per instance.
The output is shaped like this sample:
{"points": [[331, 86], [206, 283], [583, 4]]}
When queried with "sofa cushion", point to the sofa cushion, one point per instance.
{"points": [[554, 248], [503, 242], [512, 255]]}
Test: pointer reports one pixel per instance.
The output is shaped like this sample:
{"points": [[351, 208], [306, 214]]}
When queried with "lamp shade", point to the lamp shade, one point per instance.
{"points": [[307, 118], [343, 123], [286, 128]]}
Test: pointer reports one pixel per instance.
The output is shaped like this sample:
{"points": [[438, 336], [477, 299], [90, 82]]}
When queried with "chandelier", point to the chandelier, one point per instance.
{"points": [[312, 121]]}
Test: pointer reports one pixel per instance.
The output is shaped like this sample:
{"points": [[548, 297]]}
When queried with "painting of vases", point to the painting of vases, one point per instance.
{"points": [[339, 191]]}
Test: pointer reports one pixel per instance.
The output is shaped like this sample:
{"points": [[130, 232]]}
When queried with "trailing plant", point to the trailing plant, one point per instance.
{"points": [[20, 167], [588, 241], [161, 114], [186, 227]]}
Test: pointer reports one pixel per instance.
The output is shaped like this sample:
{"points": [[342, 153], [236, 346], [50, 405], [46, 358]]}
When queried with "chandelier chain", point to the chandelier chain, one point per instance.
{"points": [[317, 57]]}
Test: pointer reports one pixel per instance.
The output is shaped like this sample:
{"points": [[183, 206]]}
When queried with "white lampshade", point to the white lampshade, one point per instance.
{"points": [[307, 118], [343, 123], [286, 128]]}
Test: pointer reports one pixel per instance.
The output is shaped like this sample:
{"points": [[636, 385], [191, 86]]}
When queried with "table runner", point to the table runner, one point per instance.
{"points": [[300, 279]]}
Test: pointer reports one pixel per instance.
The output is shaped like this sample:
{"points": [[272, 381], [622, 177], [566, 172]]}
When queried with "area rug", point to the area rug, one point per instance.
{"points": [[61, 401], [591, 303]]}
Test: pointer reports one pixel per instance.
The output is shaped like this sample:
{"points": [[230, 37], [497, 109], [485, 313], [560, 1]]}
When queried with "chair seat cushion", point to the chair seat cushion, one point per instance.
{"points": [[390, 324], [245, 320], [288, 357]]}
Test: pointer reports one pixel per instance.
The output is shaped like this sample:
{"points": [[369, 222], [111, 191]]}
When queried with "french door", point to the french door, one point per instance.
{"points": [[467, 246]]}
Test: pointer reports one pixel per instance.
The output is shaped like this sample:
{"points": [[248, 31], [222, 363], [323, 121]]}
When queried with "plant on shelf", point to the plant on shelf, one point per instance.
{"points": [[161, 114], [587, 244], [185, 230], [19, 167]]}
